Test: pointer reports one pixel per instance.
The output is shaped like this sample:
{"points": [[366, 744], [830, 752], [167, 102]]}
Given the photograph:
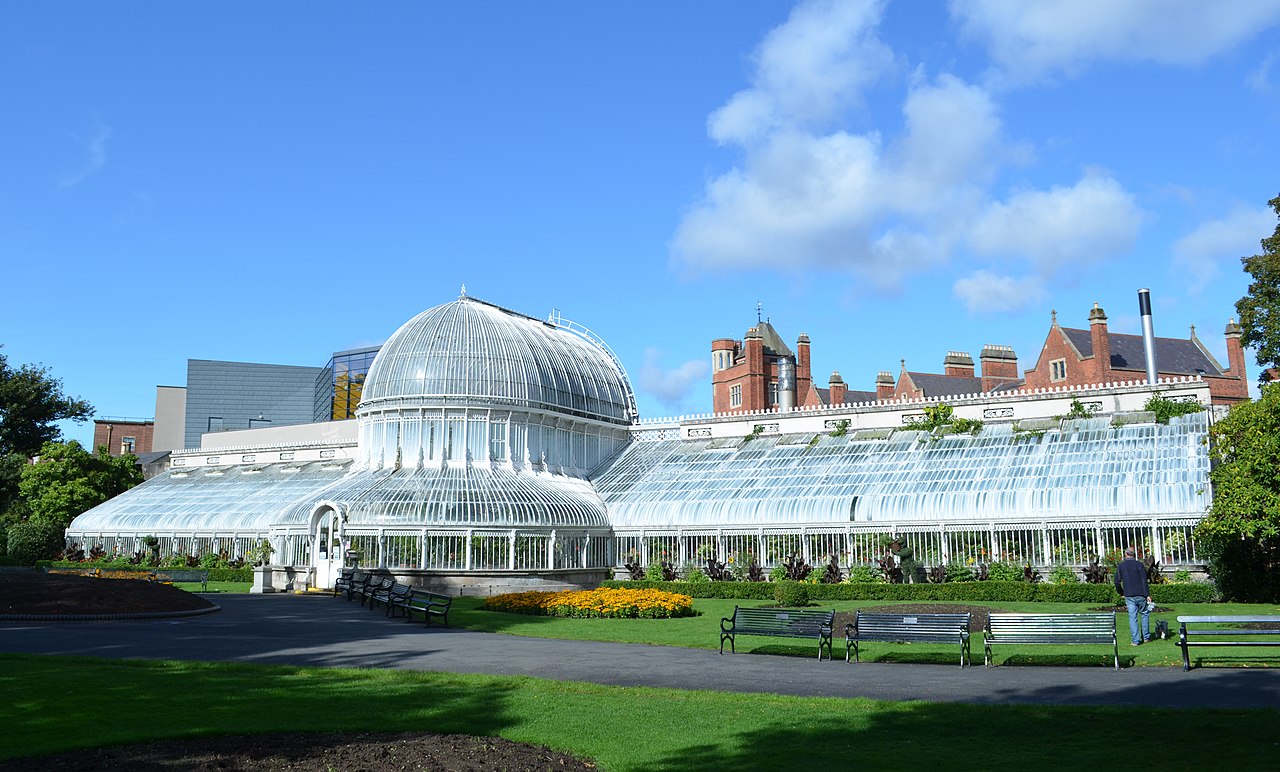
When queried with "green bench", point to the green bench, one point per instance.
{"points": [[780, 623], [908, 628], [1193, 631], [1050, 630]]}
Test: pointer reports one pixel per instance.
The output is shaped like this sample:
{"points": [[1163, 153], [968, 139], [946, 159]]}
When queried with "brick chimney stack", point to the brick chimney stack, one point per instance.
{"points": [[958, 363], [884, 386], [1101, 371], [838, 388], [999, 366], [804, 377]]}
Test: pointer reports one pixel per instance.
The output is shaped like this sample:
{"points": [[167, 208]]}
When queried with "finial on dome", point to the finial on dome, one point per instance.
{"points": [[464, 291]]}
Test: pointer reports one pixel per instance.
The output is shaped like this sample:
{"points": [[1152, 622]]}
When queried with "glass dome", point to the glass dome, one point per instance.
{"points": [[469, 352]]}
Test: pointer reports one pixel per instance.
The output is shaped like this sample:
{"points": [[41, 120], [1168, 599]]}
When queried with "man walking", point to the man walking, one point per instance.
{"points": [[1131, 582]]}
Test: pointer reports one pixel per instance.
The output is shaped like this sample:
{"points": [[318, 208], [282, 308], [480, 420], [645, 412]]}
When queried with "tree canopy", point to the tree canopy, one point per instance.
{"points": [[69, 480], [1241, 533], [1260, 309], [31, 402]]}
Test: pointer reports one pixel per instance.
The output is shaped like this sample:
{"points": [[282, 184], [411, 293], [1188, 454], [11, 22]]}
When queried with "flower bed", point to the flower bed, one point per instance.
{"points": [[605, 602]]}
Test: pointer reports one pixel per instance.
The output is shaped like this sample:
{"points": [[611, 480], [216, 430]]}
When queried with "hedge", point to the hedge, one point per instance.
{"points": [[215, 574], [951, 591]]}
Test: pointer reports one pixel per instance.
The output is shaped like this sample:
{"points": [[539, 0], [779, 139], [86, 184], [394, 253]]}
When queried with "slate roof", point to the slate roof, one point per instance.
{"points": [[1173, 355], [773, 345], [850, 397], [934, 385]]}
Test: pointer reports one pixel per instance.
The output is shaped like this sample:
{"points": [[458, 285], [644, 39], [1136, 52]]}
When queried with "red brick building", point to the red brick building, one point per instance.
{"points": [[1075, 357], [123, 435], [754, 373], [999, 373]]}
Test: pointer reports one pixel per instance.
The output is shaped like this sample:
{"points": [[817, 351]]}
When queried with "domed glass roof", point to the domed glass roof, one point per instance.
{"points": [[470, 352]]}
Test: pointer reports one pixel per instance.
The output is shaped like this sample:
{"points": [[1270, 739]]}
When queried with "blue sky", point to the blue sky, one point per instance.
{"points": [[274, 182]]}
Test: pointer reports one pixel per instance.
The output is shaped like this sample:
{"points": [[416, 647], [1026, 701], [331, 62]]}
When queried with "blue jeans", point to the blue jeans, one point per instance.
{"points": [[1137, 604]]}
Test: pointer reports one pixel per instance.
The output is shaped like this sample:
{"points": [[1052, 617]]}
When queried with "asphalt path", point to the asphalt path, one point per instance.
{"points": [[318, 631]]}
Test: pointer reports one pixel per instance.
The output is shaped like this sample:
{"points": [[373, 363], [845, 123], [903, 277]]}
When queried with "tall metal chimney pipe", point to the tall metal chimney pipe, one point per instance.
{"points": [[1148, 333], [786, 384]]}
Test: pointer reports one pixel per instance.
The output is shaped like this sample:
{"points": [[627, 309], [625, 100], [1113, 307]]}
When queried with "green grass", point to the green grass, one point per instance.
{"points": [[703, 632], [63, 703], [224, 587]]}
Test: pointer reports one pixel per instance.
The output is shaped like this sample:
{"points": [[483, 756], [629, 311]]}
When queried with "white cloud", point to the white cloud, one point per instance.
{"points": [[671, 387], [1260, 79], [1093, 220], [1202, 251], [984, 292], [846, 200], [96, 148], [807, 70], [1028, 40]]}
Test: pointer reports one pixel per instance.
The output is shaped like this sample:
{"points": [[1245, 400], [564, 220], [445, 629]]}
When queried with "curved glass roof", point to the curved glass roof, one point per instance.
{"points": [[1091, 469], [479, 497], [469, 352], [216, 499]]}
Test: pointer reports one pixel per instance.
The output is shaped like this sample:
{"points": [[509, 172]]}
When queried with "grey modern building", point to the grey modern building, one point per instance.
{"points": [[227, 396]]}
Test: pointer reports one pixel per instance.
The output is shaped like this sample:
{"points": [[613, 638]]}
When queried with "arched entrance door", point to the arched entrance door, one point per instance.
{"points": [[326, 545]]}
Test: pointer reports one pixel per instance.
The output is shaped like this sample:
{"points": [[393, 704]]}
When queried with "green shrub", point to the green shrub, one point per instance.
{"points": [[959, 572], [1063, 575], [1004, 572], [778, 573], [792, 594], [1182, 576], [1192, 592], [864, 574], [31, 541], [4, 541], [653, 572], [694, 574]]}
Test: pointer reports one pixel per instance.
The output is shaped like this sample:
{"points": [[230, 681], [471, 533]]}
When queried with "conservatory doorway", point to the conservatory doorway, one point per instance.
{"points": [[327, 545]]}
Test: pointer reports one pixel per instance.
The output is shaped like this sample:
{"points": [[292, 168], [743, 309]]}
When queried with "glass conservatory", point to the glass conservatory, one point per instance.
{"points": [[490, 442], [1054, 496]]}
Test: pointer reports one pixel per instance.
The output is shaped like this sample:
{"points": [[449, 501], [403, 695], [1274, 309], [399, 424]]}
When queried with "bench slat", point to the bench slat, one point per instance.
{"points": [[1189, 636], [907, 628], [1050, 629]]}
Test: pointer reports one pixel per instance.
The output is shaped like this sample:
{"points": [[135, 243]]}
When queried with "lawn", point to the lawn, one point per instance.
{"points": [[702, 632], [57, 704]]}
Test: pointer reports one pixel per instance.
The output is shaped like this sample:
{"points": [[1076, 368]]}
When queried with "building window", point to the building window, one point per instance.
{"points": [[773, 392], [127, 444], [259, 422], [1058, 370], [735, 395], [215, 423]]}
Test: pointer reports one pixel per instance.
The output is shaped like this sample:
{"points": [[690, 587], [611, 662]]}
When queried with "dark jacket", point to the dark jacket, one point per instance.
{"points": [[1131, 578]]}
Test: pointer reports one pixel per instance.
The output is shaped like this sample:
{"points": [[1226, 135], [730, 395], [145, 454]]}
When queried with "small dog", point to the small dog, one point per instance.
{"points": [[1161, 630]]}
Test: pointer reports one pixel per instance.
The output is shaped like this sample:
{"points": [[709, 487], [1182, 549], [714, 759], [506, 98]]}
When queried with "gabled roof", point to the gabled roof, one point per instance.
{"points": [[934, 385], [1173, 355]]}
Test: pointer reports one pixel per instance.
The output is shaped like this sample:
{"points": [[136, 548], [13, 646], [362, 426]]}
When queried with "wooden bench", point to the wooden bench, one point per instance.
{"points": [[1189, 632], [908, 628], [171, 575], [429, 604], [780, 623], [1051, 629]]}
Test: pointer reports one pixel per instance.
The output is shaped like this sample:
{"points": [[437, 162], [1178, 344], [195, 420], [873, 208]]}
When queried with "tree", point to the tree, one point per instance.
{"points": [[1241, 533], [31, 402], [70, 480], [1260, 309]]}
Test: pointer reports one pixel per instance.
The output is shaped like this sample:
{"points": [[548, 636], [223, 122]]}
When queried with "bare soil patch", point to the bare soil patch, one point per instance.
{"points": [[61, 595]]}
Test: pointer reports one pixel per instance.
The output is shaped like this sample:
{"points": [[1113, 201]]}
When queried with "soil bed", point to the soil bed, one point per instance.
{"points": [[63, 594], [305, 752]]}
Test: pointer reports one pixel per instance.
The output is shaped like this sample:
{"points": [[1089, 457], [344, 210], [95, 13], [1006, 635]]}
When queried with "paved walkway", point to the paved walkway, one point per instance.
{"points": [[324, 632]]}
